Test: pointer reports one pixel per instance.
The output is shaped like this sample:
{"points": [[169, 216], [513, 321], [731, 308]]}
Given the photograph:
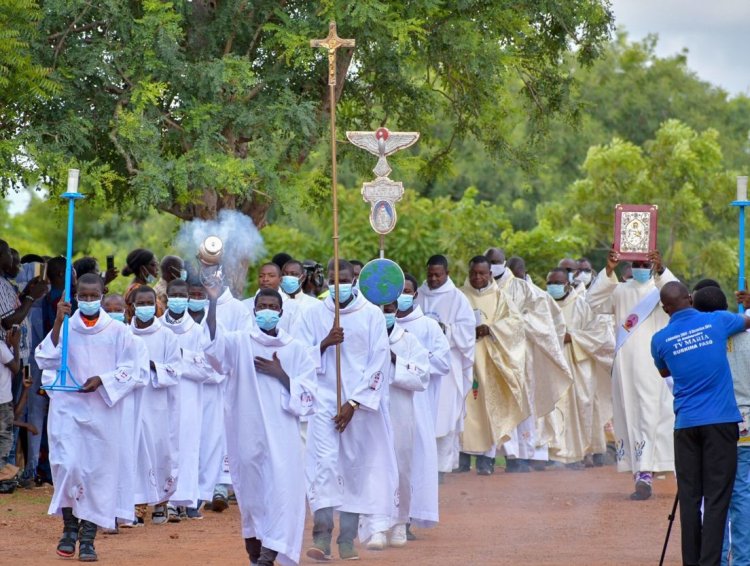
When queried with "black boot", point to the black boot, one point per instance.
{"points": [[267, 556], [67, 545], [464, 463], [87, 534], [253, 547]]}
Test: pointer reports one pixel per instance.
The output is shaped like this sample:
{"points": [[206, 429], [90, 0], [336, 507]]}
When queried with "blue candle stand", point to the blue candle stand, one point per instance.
{"points": [[741, 279]]}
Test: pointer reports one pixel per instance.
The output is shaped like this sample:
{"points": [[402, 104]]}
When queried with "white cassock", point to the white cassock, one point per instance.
{"points": [[407, 377], [233, 316], [266, 456], [450, 307], [592, 343], [194, 371], [355, 470], [642, 402], [85, 429], [424, 480], [158, 447], [546, 369], [132, 427], [290, 317]]}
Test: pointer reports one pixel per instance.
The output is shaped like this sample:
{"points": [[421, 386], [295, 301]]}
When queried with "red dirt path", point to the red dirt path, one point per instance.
{"points": [[556, 517]]}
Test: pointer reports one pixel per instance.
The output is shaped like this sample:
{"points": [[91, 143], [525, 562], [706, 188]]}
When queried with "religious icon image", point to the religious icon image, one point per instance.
{"points": [[635, 231], [383, 218]]}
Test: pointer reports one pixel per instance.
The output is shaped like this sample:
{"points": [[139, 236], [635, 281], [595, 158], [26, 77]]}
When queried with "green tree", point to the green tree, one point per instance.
{"points": [[194, 107]]}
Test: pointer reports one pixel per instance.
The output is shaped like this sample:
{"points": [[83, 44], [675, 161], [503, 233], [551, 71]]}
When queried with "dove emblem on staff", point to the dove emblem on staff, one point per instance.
{"points": [[382, 143]]}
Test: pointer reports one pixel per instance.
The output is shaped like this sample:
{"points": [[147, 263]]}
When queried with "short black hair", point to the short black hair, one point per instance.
{"points": [[478, 259], [710, 299], [85, 265], [294, 262], [143, 289], [280, 259], [356, 262], [176, 283], [410, 277], [32, 258], [91, 279], [560, 270], [269, 293], [703, 283], [271, 264], [343, 266], [438, 260]]}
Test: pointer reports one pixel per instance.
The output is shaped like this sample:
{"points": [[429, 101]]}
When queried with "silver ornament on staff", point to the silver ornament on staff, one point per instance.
{"points": [[210, 254], [382, 193]]}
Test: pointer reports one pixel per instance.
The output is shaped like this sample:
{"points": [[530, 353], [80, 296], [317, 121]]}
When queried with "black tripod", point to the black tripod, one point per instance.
{"points": [[669, 529]]}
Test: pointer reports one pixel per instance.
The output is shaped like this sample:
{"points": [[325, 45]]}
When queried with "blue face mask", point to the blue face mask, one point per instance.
{"points": [[390, 319], [405, 302], [145, 313], [197, 305], [556, 290], [177, 305], [183, 274], [89, 308], [119, 316], [641, 274], [267, 319], [150, 279], [289, 284], [345, 291]]}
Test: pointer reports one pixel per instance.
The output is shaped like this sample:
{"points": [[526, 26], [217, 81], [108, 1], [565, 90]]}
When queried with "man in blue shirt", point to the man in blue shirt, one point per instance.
{"points": [[692, 348]]}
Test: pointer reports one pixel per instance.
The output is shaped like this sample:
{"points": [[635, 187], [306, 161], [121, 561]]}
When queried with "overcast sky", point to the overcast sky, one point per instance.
{"points": [[716, 33]]}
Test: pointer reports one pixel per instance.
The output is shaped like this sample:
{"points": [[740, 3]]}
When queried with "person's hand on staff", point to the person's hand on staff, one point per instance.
{"points": [[743, 298], [343, 419], [335, 336], [63, 310]]}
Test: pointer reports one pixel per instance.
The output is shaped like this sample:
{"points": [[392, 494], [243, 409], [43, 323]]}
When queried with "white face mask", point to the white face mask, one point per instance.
{"points": [[497, 269], [584, 277]]}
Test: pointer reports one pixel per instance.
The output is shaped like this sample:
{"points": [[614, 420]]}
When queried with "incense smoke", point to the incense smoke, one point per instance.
{"points": [[243, 243]]}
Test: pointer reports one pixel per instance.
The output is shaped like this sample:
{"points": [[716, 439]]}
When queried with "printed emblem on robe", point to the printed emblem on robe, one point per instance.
{"points": [[639, 449], [305, 399], [226, 464], [122, 376], [620, 453], [396, 498], [199, 360], [169, 484], [76, 492], [152, 477], [376, 380], [170, 370], [340, 482], [630, 322]]}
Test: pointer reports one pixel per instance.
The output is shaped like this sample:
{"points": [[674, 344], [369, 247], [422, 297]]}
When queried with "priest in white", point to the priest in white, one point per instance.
{"points": [[270, 384], [440, 299], [85, 427], [642, 401], [424, 499], [589, 341], [158, 448], [546, 369], [351, 464]]}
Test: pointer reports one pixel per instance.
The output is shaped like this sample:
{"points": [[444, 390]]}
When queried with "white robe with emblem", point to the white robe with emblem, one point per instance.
{"points": [[354, 470], [642, 402], [449, 306], [85, 429], [266, 456], [424, 499], [194, 371], [158, 447]]}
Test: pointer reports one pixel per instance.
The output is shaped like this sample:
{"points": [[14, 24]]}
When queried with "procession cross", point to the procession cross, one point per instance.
{"points": [[332, 43]]}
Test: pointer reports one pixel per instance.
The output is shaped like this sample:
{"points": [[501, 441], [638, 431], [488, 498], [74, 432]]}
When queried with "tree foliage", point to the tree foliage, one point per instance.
{"points": [[197, 106]]}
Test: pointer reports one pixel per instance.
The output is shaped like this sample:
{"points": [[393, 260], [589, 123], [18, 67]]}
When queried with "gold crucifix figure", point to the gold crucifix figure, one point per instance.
{"points": [[332, 43]]}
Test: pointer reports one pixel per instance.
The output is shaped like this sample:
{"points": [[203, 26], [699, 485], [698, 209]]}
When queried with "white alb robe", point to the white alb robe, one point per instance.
{"points": [[354, 470], [642, 402], [424, 499], [408, 376], [158, 447], [194, 371], [449, 306], [85, 429], [266, 456]]}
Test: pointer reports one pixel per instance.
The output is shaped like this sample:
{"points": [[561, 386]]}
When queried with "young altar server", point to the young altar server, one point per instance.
{"points": [[157, 457], [194, 371], [424, 499], [408, 375], [351, 464], [270, 384], [85, 427]]}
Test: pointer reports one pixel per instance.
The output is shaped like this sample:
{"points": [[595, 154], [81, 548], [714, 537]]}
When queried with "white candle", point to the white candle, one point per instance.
{"points": [[741, 188], [73, 180]]}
